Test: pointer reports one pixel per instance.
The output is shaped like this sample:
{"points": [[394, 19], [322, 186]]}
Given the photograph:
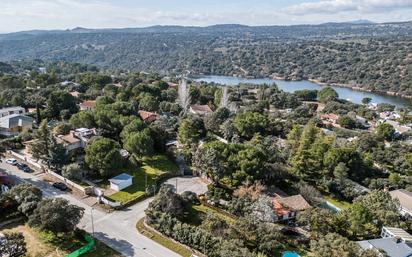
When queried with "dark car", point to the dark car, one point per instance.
{"points": [[60, 185], [27, 169], [290, 232], [21, 166]]}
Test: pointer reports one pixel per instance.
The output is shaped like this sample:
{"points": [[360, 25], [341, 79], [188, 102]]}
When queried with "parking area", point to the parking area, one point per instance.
{"points": [[194, 184]]}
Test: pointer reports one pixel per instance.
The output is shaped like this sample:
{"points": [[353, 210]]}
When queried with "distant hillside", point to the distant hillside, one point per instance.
{"points": [[360, 53]]}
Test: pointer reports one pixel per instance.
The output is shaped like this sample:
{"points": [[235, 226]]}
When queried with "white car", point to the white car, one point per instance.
{"points": [[11, 161]]}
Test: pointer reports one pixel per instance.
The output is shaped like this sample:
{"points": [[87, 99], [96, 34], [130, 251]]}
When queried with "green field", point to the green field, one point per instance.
{"points": [[151, 168]]}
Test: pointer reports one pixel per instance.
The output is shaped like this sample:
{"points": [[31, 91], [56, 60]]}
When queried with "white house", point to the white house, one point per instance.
{"points": [[11, 110], [12, 125], [121, 181]]}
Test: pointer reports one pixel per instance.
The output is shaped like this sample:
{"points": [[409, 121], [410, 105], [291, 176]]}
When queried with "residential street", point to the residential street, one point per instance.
{"points": [[116, 229]]}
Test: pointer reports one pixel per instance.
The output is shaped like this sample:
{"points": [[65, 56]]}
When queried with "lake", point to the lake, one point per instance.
{"points": [[291, 86]]}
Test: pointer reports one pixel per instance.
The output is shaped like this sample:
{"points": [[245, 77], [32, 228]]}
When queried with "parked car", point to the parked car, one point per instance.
{"points": [[60, 185], [21, 166], [27, 169], [11, 161]]}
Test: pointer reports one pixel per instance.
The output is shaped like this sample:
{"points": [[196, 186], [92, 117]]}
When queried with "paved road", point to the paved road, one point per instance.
{"points": [[116, 229]]}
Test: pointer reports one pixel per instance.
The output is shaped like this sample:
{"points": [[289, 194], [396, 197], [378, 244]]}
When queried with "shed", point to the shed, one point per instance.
{"points": [[121, 181]]}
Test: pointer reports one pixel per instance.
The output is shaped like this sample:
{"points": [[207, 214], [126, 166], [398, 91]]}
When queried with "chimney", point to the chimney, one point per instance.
{"points": [[397, 239]]}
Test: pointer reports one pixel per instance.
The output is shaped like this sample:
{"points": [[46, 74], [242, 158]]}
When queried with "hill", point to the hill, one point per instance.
{"points": [[362, 54]]}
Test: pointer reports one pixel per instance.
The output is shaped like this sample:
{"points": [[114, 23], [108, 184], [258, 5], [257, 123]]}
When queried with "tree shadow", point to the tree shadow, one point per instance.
{"points": [[122, 246]]}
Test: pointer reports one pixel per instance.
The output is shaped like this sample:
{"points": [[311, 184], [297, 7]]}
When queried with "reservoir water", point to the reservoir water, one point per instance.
{"points": [[291, 86]]}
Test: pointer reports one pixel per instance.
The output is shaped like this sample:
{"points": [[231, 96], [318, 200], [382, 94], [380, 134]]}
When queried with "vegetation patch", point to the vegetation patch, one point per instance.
{"points": [[145, 175], [162, 240]]}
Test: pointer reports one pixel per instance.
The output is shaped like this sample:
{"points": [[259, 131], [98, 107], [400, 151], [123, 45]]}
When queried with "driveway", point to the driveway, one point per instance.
{"points": [[194, 184], [116, 229]]}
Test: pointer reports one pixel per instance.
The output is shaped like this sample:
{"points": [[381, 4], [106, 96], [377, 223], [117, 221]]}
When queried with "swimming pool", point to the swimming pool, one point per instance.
{"points": [[290, 254]]}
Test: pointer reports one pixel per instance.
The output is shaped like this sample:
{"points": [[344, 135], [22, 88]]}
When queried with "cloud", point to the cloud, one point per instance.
{"points": [[338, 6]]}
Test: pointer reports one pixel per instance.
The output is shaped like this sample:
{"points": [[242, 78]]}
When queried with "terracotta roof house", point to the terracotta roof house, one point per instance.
{"points": [[405, 199], [75, 94], [87, 105], [172, 85], [147, 116], [202, 110], [288, 207], [76, 138]]}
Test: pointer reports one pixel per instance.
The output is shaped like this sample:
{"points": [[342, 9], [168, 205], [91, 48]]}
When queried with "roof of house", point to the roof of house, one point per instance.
{"points": [[120, 178], [404, 197], [69, 138], [331, 116], [88, 104], [74, 93], [398, 232], [147, 115], [201, 108], [14, 108], [294, 203], [15, 120], [389, 245]]}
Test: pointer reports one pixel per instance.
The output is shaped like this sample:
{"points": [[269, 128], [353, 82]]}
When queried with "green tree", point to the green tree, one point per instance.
{"points": [[103, 155], [40, 147], [27, 197], [83, 119], [136, 125], [366, 100], [191, 130], [60, 100], [73, 171], [386, 131], [249, 123], [57, 155], [334, 245], [327, 94], [56, 215], [140, 143]]}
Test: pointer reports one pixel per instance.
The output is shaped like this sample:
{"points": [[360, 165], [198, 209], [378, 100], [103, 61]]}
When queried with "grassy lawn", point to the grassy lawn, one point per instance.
{"points": [[338, 203], [152, 167], [41, 244], [162, 240]]}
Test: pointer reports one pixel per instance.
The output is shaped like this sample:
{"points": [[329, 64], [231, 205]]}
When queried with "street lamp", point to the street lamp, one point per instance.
{"points": [[91, 213]]}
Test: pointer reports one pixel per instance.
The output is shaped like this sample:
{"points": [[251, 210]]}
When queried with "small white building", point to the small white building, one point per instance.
{"points": [[121, 181]]}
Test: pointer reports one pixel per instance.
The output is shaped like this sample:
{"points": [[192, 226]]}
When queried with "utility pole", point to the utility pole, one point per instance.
{"points": [[145, 180], [176, 185], [91, 213]]}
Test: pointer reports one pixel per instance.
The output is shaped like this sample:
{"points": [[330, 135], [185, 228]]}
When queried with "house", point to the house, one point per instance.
{"points": [[121, 181], [173, 85], [148, 116], [394, 243], [75, 94], [14, 124], [11, 110], [87, 105], [76, 138], [288, 207], [330, 119], [202, 110], [405, 200]]}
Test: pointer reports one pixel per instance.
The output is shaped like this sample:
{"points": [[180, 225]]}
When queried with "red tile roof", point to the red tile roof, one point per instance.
{"points": [[147, 116], [88, 104], [283, 205]]}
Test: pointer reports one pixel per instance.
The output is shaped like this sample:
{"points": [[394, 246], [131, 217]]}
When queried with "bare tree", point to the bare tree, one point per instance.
{"points": [[184, 95], [224, 102]]}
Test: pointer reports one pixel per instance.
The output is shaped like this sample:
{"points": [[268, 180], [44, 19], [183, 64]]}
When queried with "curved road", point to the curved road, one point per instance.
{"points": [[116, 229]]}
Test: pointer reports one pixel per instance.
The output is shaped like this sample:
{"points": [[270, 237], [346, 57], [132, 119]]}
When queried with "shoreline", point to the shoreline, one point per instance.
{"points": [[316, 81]]}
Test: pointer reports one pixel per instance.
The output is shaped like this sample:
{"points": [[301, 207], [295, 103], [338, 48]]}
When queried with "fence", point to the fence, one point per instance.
{"points": [[106, 201], [90, 245]]}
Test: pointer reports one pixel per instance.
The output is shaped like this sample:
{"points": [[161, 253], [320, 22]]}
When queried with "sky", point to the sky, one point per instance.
{"points": [[19, 15]]}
